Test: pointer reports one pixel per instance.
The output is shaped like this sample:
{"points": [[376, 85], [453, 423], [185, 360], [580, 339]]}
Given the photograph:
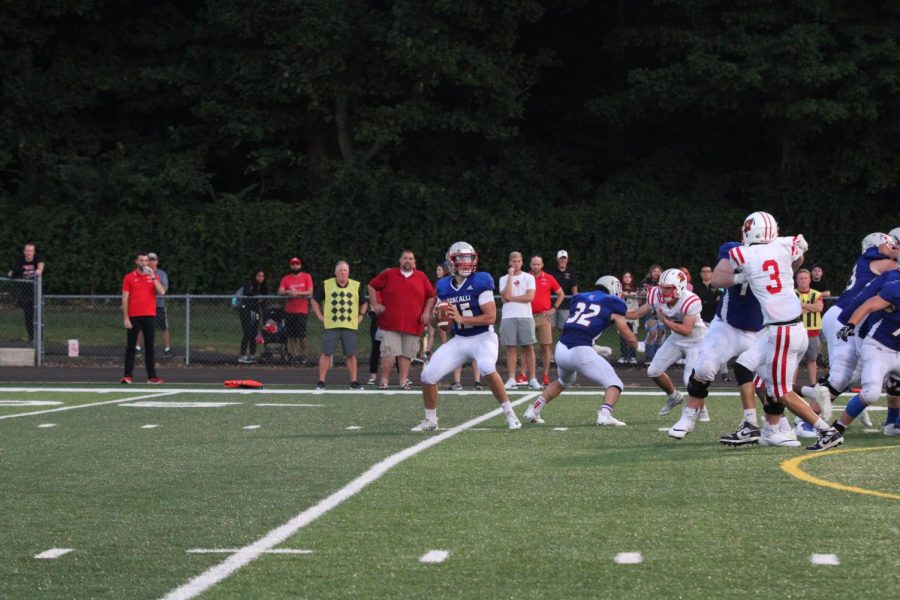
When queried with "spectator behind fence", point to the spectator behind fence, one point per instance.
{"points": [[407, 298], [338, 303], [543, 310], [250, 308], [709, 295], [375, 339], [432, 332], [627, 353], [818, 280], [30, 267], [298, 287], [565, 276], [812, 305], [655, 329], [162, 321], [517, 290], [139, 291]]}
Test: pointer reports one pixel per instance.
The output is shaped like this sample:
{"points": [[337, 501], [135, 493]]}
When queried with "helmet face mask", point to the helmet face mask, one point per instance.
{"points": [[462, 259], [672, 285], [759, 228]]}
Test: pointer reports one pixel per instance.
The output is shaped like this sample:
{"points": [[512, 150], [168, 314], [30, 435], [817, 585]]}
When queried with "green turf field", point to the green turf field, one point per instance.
{"points": [[535, 513]]}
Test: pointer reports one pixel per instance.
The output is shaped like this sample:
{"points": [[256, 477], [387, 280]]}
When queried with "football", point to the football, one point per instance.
{"points": [[444, 316]]}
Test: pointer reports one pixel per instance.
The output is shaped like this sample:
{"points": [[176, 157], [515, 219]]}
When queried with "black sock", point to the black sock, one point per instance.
{"points": [[840, 427]]}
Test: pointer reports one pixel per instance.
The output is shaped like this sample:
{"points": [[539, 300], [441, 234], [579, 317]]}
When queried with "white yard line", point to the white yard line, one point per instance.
{"points": [[270, 392], [629, 558], [434, 556], [77, 406], [273, 538], [233, 550], [53, 553], [830, 560]]}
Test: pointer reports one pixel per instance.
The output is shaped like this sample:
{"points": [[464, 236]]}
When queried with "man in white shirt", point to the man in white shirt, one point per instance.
{"points": [[516, 321]]}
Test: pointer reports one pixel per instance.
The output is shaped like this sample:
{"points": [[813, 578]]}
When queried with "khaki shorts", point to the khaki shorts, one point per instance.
{"points": [[395, 343], [517, 332], [543, 329]]}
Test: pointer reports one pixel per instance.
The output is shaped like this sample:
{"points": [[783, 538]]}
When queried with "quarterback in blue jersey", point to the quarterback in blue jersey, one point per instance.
{"points": [[880, 356], [879, 255], [590, 313], [471, 297]]}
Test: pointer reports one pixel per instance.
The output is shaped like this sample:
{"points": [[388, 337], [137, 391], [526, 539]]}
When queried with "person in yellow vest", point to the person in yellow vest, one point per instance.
{"points": [[338, 303], [812, 305]]}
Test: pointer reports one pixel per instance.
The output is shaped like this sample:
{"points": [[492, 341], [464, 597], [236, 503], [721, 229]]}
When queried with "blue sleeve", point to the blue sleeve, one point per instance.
{"points": [[891, 293], [487, 282], [617, 306], [723, 250], [873, 254]]}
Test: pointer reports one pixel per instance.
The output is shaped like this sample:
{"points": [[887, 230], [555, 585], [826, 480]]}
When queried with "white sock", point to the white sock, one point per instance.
{"points": [[538, 405], [431, 415], [822, 425], [808, 392], [507, 407], [750, 415], [689, 413], [673, 395]]}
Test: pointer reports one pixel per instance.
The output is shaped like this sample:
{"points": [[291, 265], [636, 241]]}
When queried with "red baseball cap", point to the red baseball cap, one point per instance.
{"points": [[296, 260]]}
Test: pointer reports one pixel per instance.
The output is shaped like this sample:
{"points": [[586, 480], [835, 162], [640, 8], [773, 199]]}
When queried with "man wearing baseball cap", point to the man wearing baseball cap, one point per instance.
{"points": [[298, 287], [564, 274]]}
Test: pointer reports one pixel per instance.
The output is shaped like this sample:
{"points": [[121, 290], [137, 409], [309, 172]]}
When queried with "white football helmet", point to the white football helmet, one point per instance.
{"points": [[895, 233], [873, 240], [672, 285], [612, 285], [759, 228], [462, 259]]}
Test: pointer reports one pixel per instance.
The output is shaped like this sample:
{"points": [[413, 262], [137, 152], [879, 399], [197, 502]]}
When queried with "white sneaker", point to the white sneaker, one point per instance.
{"points": [[891, 429], [425, 425], [604, 420], [773, 436], [805, 430], [533, 384], [823, 397], [531, 416], [684, 426], [703, 415], [510, 384], [671, 403], [864, 418], [513, 421]]}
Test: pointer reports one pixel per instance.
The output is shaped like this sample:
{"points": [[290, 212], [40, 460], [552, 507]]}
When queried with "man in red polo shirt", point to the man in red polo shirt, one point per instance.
{"points": [[298, 287], [543, 310], [139, 291], [407, 298]]}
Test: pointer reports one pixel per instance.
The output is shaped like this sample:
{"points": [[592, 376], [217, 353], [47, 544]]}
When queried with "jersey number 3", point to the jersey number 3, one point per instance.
{"points": [[581, 317], [775, 287]]}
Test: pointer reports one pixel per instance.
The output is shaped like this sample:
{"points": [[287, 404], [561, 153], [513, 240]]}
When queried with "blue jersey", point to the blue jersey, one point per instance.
{"points": [[886, 323], [589, 315], [860, 276], [738, 306], [467, 298], [870, 290]]}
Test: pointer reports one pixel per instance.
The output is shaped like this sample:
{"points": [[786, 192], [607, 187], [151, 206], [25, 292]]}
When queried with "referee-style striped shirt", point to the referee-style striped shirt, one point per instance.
{"points": [[811, 320]]}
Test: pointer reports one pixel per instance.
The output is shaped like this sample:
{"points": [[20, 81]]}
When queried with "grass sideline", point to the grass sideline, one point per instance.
{"points": [[533, 513]]}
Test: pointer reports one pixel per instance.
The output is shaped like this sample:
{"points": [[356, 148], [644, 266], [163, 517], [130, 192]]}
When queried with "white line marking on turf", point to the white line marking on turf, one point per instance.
{"points": [[271, 392], [29, 403], [252, 427], [179, 404], [248, 554], [825, 559], [75, 407], [53, 553], [288, 404], [871, 431], [663, 429], [629, 558], [149, 426], [560, 429], [353, 427], [434, 556], [46, 425], [234, 550]]}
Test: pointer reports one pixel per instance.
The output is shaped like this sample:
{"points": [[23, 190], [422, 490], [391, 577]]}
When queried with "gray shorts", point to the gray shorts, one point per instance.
{"points": [[812, 351], [395, 343], [517, 332], [560, 317], [347, 338]]}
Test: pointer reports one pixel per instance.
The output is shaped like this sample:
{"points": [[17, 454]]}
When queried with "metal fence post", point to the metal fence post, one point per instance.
{"points": [[39, 321], [187, 330]]}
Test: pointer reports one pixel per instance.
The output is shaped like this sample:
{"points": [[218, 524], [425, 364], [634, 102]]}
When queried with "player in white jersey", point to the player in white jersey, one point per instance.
{"points": [[679, 310], [766, 262]]}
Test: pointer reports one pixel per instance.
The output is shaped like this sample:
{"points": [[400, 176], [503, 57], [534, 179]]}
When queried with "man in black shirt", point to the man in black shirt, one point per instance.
{"points": [[819, 282], [29, 267], [709, 295], [564, 274]]}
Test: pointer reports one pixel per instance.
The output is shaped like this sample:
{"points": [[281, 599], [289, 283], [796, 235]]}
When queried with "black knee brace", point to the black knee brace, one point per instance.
{"points": [[772, 407], [893, 385], [742, 374], [697, 389]]}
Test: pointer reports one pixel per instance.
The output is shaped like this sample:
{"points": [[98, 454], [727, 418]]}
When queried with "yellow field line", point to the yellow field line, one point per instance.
{"points": [[792, 467]]}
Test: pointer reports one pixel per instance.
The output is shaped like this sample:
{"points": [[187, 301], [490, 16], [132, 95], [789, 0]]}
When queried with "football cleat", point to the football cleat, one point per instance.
{"points": [[865, 419], [892, 429], [532, 417], [609, 420], [680, 429], [772, 435], [425, 425], [747, 434], [513, 421], [830, 438], [703, 415], [671, 403], [805, 430]]}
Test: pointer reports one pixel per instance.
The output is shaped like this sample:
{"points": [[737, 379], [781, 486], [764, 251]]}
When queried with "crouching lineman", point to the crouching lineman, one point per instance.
{"points": [[590, 313], [735, 329], [471, 296], [679, 310]]}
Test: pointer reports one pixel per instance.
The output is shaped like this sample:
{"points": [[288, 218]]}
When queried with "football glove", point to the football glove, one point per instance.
{"points": [[846, 331], [801, 243]]}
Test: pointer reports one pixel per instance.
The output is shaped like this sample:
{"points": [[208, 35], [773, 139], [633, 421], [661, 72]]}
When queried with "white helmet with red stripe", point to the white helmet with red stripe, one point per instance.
{"points": [[875, 240], [462, 259], [759, 228], [672, 285]]}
